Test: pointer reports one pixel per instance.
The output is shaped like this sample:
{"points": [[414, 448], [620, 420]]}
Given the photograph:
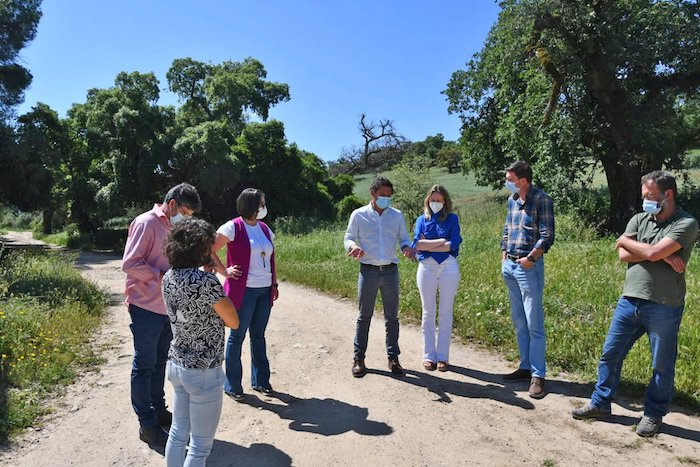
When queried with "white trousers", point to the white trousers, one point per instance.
{"points": [[432, 277]]}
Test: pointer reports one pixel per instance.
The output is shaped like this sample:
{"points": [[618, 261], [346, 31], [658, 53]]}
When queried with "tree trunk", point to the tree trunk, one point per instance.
{"points": [[624, 187], [47, 220]]}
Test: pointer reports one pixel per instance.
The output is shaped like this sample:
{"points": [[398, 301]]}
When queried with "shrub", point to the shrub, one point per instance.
{"points": [[346, 206]]}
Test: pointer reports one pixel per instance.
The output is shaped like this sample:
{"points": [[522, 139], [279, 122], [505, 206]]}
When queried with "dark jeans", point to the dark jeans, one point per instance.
{"points": [[152, 336], [370, 281], [254, 315]]}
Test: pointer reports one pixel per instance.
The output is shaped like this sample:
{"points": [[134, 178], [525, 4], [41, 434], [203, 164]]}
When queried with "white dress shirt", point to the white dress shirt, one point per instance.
{"points": [[377, 234]]}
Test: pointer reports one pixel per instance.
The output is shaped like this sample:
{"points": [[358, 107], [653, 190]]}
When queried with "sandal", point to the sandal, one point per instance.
{"points": [[442, 366], [428, 365]]}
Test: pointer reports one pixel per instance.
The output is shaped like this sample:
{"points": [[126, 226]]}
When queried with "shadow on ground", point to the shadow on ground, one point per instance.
{"points": [[327, 417]]}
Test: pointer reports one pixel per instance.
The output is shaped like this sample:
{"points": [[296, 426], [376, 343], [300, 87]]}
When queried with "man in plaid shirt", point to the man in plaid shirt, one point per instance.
{"points": [[527, 235]]}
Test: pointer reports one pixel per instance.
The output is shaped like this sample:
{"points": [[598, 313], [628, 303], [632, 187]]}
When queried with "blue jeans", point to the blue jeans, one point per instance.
{"points": [[525, 290], [369, 282], [254, 315], [152, 336], [197, 400], [632, 318]]}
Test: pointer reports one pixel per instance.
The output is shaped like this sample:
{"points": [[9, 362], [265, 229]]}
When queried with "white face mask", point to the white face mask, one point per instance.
{"points": [[436, 206], [262, 212]]}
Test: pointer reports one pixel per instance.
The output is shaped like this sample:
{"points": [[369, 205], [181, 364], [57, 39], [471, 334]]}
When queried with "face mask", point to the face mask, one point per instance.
{"points": [[652, 207], [176, 218], [383, 202], [511, 187], [436, 207], [262, 212]]}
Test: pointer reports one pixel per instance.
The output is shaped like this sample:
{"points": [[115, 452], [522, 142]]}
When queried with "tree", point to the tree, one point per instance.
{"points": [[382, 147], [18, 21], [226, 92], [572, 86], [39, 167]]}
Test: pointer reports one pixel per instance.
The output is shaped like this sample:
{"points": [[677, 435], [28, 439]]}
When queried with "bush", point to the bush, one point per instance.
{"points": [[14, 219], [346, 206], [691, 160]]}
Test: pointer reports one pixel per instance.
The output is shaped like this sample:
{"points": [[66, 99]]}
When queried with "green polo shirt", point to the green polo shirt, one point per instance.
{"points": [[657, 281]]}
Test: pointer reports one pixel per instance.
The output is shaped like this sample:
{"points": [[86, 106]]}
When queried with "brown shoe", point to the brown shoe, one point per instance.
{"points": [[520, 373], [395, 366], [442, 366], [428, 365], [358, 368], [536, 387]]}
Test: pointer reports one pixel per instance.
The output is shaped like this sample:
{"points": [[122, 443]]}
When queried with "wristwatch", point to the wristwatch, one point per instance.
{"points": [[531, 259]]}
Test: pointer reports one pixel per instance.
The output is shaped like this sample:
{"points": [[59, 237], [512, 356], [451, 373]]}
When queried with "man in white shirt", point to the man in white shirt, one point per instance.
{"points": [[371, 238]]}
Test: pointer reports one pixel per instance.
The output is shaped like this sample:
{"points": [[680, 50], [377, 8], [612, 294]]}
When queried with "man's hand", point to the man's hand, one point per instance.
{"points": [[234, 272], [621, 241], [525, 263], [676, 262], [356, 252], [409, 253]]}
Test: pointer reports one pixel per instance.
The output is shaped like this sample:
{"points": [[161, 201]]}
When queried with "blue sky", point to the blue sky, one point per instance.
{"points": [[389, 59]]}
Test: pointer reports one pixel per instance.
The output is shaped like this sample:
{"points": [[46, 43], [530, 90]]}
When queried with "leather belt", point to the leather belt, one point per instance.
{"points": [[514, 257], [384, 267]]}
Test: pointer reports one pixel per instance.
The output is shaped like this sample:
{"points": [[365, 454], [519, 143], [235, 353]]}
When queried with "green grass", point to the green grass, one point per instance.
{"points": [[58, 238], [47, 314], [459, 185], [583, 282]]}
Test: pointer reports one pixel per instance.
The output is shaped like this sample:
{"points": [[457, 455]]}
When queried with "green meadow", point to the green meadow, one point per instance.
{"points": [[583, 283]]}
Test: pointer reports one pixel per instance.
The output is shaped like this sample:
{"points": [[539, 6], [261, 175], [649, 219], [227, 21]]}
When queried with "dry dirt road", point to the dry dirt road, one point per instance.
{"points": [[322, 416]]}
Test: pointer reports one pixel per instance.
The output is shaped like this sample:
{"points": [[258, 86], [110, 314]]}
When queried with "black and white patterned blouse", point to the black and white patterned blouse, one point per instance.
{"points": [[198, 332]]}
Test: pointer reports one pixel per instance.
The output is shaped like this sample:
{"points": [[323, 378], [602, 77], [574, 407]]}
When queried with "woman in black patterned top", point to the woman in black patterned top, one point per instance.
{"points": [[198, 310]]}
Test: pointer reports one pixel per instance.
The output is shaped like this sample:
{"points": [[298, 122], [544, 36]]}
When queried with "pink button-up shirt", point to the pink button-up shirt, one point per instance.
{"points": [[144, 261]]}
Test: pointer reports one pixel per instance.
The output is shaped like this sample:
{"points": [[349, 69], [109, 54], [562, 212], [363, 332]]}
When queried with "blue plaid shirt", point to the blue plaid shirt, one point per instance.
{"points": [[529, 224]]}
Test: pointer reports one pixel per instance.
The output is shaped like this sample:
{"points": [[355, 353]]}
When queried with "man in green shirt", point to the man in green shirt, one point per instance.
{"points": [[656, 246]]}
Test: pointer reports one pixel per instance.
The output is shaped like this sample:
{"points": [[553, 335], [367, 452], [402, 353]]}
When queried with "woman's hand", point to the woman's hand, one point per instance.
{"points": [[275, 293], [233, 272]]}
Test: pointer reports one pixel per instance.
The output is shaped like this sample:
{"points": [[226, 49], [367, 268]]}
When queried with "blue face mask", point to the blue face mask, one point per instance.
{"points": [[511, 187], [383, 202], [652, 207]]}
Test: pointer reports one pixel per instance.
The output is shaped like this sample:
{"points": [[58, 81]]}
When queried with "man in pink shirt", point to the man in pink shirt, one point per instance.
{"points": [[144, 264]]}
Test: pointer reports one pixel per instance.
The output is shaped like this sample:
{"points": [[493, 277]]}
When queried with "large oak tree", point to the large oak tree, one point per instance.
{"points": [[574, 85]]}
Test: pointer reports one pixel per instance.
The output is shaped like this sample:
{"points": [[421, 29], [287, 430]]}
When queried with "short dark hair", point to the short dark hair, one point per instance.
{"points": [[185, 195], [664, 180], [248, 202], [189, 242], [380, 182], [521, 169]]}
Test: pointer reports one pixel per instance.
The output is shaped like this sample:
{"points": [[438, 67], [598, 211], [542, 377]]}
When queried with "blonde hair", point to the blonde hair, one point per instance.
{"points": [[446, 209]]}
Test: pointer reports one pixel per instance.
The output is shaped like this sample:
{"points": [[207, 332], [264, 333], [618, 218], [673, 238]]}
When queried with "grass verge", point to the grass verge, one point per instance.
{"points": [[47, 315]]}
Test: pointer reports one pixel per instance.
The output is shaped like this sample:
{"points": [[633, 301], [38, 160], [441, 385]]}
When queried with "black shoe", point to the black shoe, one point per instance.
{"points": [[518, 374], [153, 435], [358, 368], [264, 390], [238, 397], [395, 366], [165, 418]]}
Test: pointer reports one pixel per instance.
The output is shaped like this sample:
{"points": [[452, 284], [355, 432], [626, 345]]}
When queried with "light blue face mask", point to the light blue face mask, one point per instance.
{"points": [[651, 206], [383, 202], [511, 187]]}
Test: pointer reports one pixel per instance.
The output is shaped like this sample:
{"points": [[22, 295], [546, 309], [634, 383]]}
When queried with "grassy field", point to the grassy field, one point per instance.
{"points": [[47, 314], [583, 282], [459, 185]]}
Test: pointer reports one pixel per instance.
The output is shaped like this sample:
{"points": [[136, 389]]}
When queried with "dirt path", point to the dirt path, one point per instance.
{"points": [[322, 416]]}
